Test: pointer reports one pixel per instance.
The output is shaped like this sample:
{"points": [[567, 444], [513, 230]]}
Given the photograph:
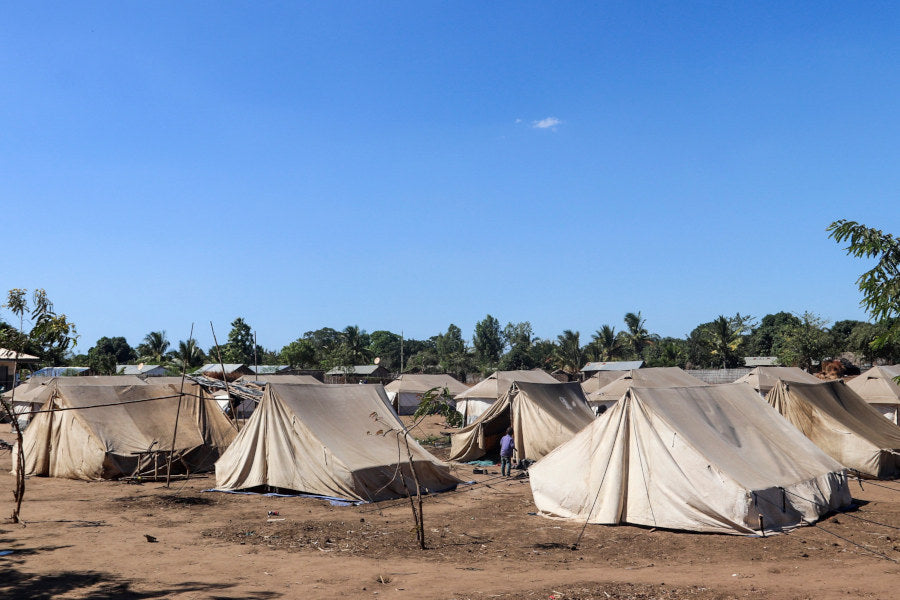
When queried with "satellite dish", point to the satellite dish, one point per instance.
{"points": [[140, 366], [377, 360]]}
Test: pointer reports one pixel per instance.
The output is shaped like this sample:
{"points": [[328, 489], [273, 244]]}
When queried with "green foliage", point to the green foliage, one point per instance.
{"points": [[517, 334], [488, 343], [437, 401], [154, 347], [568, 355], [299, 353], [239, 348], [807, 343], [636, 336], [51, 335], [606, 345], [669, 352], [108, 352], [386, 346], [188, 356]]}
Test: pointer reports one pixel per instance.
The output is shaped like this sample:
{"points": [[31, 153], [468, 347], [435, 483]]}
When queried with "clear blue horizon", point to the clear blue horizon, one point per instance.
{"points": [[407, 165]]}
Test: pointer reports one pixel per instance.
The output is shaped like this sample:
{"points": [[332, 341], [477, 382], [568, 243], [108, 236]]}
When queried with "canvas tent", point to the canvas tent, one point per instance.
{"points": [[30, 396], [842, 424], [763, 379], [94, 432], [877, 387], [598, 380], [478, 398], [542, 415], [654, 377], [708, 458], [320, 439], [407, 390]]}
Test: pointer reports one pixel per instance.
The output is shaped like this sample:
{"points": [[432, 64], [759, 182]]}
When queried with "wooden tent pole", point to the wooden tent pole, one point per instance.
{"points": [[178, 411]]}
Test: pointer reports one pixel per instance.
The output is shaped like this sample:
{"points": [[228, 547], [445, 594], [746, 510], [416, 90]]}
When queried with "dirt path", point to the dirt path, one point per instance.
{"points": [[87, 540]]}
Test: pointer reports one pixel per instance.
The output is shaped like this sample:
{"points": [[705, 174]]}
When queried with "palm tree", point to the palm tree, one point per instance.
{"points": [[607, 344], [153, 349], [569, 355], [724, 335], [189, 354], [355, 345], [637, 335]]}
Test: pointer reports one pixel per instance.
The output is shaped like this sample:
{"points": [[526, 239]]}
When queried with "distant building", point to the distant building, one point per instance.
{"points": [[63, 372], [613, 365], [761, 361], [8, 362], [358, 374], [232, 371], [141, 370]]}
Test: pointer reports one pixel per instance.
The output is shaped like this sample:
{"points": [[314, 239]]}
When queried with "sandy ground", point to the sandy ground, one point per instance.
{"points": [[88, 540]]}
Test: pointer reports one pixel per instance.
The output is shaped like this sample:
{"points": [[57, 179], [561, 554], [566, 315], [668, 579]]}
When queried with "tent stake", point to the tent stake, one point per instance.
{"points": [[762, 525]]}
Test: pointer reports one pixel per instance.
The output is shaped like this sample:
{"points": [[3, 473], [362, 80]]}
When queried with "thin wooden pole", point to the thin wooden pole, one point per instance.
{"points": [[224, 378], [178, 412]]}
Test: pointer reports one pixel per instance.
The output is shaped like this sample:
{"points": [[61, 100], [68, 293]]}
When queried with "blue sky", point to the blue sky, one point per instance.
{"points": [[403, 166]]}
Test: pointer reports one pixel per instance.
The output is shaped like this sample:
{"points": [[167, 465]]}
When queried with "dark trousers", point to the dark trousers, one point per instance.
{"points": [[506, 465]]}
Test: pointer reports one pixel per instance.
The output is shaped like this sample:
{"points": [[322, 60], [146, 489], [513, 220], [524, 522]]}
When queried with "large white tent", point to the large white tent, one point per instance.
{"points": [[407, 390], [842, 424], [105, 432], [478, 398], [323, 439], [542, 415], [704, 458], [878, 387]]}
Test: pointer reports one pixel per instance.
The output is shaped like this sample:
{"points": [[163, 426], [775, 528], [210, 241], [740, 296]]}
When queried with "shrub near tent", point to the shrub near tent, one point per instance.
{"points": [[712, 459]]}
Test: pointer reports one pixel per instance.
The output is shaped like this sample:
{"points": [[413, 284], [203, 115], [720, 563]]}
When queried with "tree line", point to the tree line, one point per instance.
{"points": [[795, 339]]}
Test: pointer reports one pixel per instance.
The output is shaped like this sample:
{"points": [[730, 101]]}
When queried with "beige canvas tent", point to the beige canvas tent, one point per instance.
{"points": [[289, 379], [763, 379], [407, 390], [321, 439], [478, 398], [877, 387], [707, 458], [842, 424], [542, 415], [30, 396], [598, 380], [654, 377], [95, 432]]}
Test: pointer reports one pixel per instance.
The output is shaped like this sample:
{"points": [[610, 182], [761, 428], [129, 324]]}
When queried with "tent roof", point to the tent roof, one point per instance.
{"points": [[6, 354], [654, 377], [37, 389], [543, 415], [355, 370], [841, 423], [323, 439], [877, 385], [289, 379], [693, 458], [499, 381], [763, 379], [598, 380], [420, 383]]}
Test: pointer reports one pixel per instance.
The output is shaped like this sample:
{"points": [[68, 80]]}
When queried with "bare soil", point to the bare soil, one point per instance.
{"points": [[89, 540]]}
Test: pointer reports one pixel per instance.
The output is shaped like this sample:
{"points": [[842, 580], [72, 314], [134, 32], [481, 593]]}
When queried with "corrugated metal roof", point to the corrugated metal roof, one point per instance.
{"points": [[140, 369], [621, 365], [217, 368], [60, 371], [354, 370], [761, 361], [269, 369], [11, 355]]}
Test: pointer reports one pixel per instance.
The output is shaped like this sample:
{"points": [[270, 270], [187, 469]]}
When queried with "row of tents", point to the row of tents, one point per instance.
{"points": [[671, 452]]}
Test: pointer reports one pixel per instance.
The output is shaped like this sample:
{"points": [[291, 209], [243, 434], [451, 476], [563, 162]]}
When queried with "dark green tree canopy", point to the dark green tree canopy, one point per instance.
{"points": [[488, 343]]}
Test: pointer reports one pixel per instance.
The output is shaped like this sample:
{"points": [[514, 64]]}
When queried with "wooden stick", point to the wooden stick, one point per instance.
{"points": [[224, 378], [178, 412]]}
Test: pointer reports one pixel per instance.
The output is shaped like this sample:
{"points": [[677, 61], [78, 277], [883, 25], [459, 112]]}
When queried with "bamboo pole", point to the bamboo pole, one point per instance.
{"points": [[178, 411]]}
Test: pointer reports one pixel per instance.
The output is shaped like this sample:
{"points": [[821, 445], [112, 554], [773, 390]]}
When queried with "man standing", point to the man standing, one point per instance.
{"points": [[507, 445]]}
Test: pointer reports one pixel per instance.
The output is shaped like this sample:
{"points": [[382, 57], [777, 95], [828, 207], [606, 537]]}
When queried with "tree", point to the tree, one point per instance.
{"points": [[569, 355], [669, 352], [153, 348], [488, 343], [724, 336], [386, 346], [517, 334], [109, 352], [637, 336], [354, 347], [188, 355], [299, 353], [765, 339], [879, 285], [807, 343], [606, 344], [54, 334], [240, 347]]}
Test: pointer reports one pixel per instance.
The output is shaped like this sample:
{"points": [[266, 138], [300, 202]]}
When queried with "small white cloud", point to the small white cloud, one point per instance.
{"points": [[548, 123], [518, 120]]}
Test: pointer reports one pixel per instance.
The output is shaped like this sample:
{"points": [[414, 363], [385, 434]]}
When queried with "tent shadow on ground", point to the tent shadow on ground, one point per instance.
{"points": [[93, 585]]}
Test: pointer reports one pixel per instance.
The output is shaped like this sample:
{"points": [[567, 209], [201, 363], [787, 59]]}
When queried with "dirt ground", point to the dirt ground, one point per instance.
{"points": [[88, 540]]}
